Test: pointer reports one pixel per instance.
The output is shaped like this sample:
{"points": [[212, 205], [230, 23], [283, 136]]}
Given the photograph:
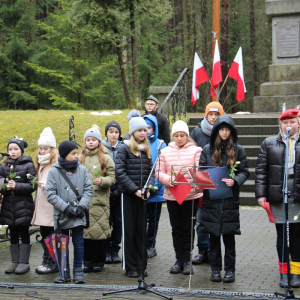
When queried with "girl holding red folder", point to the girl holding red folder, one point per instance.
{"points": [[180, 153], [220, 217]]}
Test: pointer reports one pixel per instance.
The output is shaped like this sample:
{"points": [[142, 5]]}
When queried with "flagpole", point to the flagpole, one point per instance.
{"points": [[223, 83]]}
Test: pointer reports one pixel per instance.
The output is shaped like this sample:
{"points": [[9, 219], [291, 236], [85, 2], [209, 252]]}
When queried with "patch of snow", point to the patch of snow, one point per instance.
{"points": [[243, 113], [117, 112]]}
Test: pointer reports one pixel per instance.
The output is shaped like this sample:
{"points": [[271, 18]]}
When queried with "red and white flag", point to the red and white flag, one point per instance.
{"points": [[216, 76], [236, 72], [199, 76]]}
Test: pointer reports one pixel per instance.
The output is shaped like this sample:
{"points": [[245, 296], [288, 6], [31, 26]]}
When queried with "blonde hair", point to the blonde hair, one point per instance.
{"points": [[53, 158], [135, 147], [188, 140], [101, 156]]}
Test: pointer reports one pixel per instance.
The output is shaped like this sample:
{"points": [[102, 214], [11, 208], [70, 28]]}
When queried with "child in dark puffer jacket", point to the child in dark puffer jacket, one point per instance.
{"points": [[18, 207]]}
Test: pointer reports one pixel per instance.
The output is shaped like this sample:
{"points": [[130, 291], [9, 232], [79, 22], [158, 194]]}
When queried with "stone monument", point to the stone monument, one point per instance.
{"points": [[284, 73]]}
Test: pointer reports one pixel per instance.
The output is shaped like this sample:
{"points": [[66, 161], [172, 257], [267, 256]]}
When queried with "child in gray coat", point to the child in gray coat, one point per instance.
{"points": [[69, 211]]}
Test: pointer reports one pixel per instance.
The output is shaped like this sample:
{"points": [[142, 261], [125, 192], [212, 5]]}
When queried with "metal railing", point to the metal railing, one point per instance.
{"points": [[71, 131], [175, 103]]}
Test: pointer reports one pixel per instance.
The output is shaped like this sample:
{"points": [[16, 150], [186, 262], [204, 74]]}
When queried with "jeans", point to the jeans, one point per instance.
{"points": [[153, 215], [203, 241], [78, 244]]}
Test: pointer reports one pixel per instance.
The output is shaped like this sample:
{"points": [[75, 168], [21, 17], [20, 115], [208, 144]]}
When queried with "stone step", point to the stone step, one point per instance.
{"points": [[248, 186], [251, 150], [257, 119], [252, 174], [248, 199], [251, 161], [280, 88], [251, 139], [284, 72], [268, 130], [274, 103]]}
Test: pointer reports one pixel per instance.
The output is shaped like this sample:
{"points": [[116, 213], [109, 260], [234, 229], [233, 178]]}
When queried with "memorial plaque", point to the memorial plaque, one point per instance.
{"points": [[288, 39]]}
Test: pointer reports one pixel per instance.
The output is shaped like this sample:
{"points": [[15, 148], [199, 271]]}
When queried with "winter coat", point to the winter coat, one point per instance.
{"points": [[99, 208], [199, 136], [269, 171], [60, 195], [221, 217], [163, 127], [112, 151], [132, 171], [43, 213], [187, 155], [155, 195], [17, 205]]}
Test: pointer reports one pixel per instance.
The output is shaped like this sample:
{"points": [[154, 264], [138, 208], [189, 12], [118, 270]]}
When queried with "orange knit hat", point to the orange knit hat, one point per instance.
{"points": [[214, 106]]}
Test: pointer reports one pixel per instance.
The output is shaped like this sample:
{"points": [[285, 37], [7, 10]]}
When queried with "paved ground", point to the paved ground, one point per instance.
{"points": [[257, 269]]}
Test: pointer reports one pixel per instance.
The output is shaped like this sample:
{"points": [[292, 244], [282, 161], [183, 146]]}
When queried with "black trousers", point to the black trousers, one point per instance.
{"points": [[115, 221], [133, 230], [216, 255], [17, 232], [94, 251], [153, 216], [294, 242], [180, 219]]}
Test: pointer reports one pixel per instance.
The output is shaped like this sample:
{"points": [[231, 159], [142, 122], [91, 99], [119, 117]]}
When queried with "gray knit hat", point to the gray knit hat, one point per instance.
{"points": [[94, 132], [136, 123]]}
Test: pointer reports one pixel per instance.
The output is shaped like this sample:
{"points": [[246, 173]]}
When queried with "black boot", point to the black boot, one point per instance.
{"points": [[67, 277], [229, 277], [187, 270], [200, 258], [115, 257], [108, 259], [295, 280], [176, 268], [283, 280], [88, 266], [215, 276]]}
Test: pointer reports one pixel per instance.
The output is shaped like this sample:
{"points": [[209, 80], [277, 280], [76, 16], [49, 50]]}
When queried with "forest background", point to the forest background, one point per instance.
{"points": [[104, 54]]}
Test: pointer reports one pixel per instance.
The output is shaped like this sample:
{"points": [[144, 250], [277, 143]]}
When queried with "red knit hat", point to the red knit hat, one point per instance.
{"points": [[289, 114], [214, 106]]}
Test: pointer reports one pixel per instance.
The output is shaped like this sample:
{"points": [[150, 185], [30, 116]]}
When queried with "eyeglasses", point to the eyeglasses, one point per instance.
{"points": [[150, 104]]}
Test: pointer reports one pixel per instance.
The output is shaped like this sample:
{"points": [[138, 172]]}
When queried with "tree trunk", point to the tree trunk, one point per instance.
{"points": [[135, 79], [255, 79], [179, 22], [123, 75], [224, 45]]}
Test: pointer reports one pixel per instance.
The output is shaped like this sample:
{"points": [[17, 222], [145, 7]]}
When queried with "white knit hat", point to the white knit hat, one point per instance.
{"points": [[136, 123], [94, 132], [47, 138], [180, 126]]}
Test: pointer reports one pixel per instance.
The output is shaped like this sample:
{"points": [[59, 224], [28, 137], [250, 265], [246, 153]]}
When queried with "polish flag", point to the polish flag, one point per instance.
{"points": [[216, 76], [199, 76], [236, 72]]}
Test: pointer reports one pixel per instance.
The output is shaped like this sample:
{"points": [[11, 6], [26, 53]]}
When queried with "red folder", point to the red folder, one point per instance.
{"points": [[180, 191], [203, 177]]}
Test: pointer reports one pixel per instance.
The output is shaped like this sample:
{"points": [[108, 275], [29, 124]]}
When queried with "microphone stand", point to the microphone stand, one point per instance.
{"points": [[143, 286], [289, 293]]}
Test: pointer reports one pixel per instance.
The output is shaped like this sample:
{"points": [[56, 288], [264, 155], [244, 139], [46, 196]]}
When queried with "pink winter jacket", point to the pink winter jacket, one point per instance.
{"points": [[172, 155]]}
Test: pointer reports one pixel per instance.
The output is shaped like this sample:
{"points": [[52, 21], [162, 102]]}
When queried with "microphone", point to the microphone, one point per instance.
{"points": [[160, 144], [5, 154], [288, 130]]}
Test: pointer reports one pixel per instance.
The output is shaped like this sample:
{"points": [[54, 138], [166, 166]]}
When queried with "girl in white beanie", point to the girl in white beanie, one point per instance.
{"points": [[133, 166], [43, 213], [179, 154]]}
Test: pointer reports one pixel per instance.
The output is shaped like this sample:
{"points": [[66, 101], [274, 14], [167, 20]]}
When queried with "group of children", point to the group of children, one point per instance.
{"points": [[99, 196]]}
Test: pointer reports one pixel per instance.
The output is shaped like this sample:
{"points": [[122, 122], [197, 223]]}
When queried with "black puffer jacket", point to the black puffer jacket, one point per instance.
{"points": [[17, 206], [132, 171], [221, 217], [270, 169]]}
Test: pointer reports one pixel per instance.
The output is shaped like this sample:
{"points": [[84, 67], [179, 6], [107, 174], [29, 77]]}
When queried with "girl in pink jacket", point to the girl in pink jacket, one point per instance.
{"points": [[182, 152]]}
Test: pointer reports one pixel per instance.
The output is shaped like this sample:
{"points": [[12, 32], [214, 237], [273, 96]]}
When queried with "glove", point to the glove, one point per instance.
{"points": [[80, 212], [69, 212]]}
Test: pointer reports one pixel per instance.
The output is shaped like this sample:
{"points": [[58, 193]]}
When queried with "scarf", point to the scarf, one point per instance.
{"points": [[44, 159], [206, 127], [68, 165]]}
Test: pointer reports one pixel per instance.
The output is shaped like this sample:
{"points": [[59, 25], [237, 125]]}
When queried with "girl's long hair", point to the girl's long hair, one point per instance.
{"points": [[53, 158], [135, 147], [101, 157], [230, 153]]}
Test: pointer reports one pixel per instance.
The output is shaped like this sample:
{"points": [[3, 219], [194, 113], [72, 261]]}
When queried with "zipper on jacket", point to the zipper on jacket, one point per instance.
{"points": [[222, 211], [141, 186]]}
